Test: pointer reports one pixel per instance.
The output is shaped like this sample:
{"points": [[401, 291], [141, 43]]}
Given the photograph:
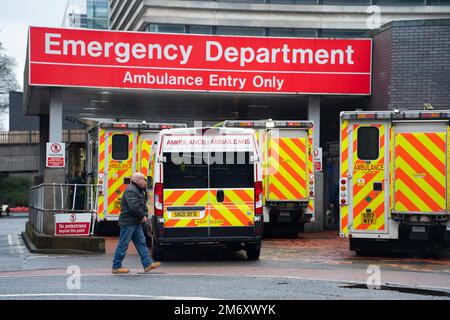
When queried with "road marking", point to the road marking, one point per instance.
{"points": [[335, 281], [23, 295], [45, 256], [19, 244], [10, 240]]}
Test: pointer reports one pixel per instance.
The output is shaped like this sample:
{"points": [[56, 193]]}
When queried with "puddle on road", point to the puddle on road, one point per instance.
{"points": [[418, 291]]}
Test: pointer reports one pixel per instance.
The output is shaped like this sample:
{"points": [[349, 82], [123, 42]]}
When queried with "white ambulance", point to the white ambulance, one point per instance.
{"points": [[205, 187]]}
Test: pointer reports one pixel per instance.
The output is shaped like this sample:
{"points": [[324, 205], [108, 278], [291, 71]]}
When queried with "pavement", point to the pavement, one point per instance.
{"points": [[314, 266]]}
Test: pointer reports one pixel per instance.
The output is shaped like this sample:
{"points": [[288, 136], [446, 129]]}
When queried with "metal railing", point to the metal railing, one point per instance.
{"points": [[48, 200], [32, 136]]}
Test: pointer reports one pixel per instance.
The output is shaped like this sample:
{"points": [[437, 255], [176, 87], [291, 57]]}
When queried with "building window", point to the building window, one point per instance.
{"points": [[446, 2], [357, 2], [120, 144], [240, 31], [167, 28], [308, 33], [200, 29], [399, 2], [333, 33], [368, 143]]}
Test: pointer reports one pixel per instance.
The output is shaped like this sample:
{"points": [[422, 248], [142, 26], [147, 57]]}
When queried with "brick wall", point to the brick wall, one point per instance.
{"points": [[411, 65]]}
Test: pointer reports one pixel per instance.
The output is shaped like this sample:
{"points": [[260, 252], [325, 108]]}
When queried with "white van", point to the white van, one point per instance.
{"points": [[205, 187]]}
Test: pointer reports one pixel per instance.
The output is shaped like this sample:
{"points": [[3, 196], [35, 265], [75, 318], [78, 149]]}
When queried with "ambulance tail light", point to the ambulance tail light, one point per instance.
{"points": [[159, 193], [258, 198], [311, 185], [343, 192]]}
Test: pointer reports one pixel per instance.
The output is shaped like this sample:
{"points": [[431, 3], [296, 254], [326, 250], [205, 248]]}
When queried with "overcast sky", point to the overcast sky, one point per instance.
{"points": [[16, 16]]}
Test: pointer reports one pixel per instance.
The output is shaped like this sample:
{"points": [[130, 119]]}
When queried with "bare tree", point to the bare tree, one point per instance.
{"points": [[8, 81]]}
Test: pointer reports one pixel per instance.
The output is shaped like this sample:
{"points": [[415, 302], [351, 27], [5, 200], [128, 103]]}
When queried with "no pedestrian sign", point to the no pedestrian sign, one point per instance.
{"points": [[72, 224], [56, 155], [317, 159]]}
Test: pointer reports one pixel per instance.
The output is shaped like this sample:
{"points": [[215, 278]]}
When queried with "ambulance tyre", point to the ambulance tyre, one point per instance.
{"points": [[253, 251], [157, 250]]}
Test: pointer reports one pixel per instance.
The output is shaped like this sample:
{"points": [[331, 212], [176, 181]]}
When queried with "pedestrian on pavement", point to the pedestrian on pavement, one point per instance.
{"points": [[133, 214], [78, 200], [8, 210]]}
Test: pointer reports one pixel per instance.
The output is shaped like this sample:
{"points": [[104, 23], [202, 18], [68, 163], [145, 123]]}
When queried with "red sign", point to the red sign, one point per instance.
{"points": [[69, 224], [141, 60], [56, 155]]}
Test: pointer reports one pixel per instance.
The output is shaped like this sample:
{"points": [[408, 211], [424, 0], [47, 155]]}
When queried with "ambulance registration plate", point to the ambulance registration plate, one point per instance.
{"points": [[368, 218], [186, 214]]}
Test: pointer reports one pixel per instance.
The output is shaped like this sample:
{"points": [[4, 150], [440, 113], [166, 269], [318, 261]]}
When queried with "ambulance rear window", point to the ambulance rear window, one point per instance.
{"points": [[368, 143], [120, 143], [231, 170], [185, 171]]}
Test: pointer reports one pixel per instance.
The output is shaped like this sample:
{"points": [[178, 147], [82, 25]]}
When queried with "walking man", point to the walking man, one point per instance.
{"points": [[133, 214]]}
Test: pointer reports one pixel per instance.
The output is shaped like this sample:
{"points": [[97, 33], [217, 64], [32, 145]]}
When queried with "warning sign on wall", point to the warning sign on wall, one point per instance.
{"points": [[56, 155], [72, 224], [317, 159]]}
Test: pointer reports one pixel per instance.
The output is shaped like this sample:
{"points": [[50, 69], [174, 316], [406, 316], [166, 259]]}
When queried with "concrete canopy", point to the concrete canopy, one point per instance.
{"points": [[172, 106]]}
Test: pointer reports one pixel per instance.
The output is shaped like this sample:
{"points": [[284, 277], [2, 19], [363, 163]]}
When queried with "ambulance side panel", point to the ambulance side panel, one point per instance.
{"points": [[420, 168], [145, 141], [287, 171], [102, 155]]}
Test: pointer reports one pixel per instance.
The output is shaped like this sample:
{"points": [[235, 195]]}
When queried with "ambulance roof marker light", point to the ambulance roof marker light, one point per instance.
{"points": [[246, 124], [270, 124], [120, 125], [430, 115]]}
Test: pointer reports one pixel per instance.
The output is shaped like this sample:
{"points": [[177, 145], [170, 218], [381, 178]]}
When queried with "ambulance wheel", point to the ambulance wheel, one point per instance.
{"points": [[157, 250], [253, 251]]}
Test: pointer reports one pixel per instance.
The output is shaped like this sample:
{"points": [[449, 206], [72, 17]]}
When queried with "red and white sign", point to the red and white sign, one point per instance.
{"points": [[142, 60], [56, 155], [317, 159], [198, 143], [72, 224]]}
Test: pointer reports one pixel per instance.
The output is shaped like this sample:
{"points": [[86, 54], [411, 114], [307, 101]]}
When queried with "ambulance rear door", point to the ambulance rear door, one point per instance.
{"points": [[120, 163], [233, 172], [368, 177]]}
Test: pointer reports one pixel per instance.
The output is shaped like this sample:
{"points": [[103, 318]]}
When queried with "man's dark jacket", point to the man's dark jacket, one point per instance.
{"points": [[133, 206]]}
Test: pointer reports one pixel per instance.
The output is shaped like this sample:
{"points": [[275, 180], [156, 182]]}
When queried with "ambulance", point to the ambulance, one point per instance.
{"points": [[205, 187], [394, 180], [116, 150], [288, 176]]}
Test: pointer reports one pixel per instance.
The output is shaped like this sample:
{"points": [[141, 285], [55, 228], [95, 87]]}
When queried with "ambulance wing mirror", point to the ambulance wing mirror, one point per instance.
{"points": [[162, 159]]}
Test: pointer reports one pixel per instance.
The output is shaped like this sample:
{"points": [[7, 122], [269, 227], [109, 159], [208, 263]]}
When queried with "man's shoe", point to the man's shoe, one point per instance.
{"points": [[154, 265], [120, 271]]}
